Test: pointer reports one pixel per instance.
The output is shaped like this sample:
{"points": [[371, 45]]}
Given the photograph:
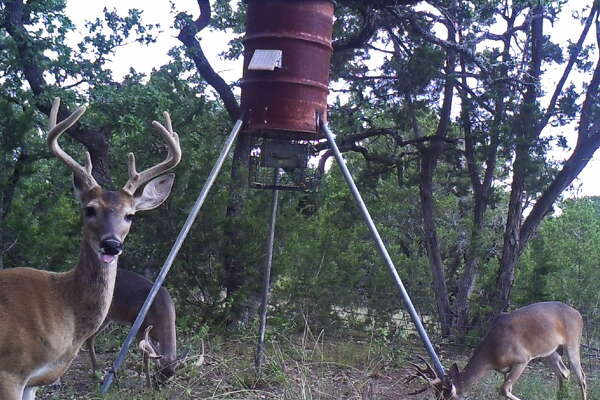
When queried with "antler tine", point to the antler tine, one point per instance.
{"points": [[424, 388], [137, 179], [168, 121], [430, 369], [145, 345], [53, 113], [419, 372], [149, 353], [54, 132], [427, 373]]}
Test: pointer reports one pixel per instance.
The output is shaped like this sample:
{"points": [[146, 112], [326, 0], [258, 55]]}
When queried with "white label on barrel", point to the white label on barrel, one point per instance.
{"points": [[265, 60]]}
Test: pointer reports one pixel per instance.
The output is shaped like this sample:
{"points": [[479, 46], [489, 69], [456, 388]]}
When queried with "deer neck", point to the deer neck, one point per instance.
{"points": [[90, 287], [477, 367]]}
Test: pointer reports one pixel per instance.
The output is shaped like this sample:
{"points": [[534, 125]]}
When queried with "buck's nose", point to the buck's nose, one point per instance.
{"points": [[111, 246]]}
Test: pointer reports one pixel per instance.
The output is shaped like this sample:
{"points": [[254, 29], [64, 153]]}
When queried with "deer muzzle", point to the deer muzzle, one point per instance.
{"points": [[109, 248]]}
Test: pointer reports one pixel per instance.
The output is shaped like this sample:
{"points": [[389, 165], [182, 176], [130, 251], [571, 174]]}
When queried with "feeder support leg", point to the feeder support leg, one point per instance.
{"points": [[260, 348], [108, 379], [383, 251]]}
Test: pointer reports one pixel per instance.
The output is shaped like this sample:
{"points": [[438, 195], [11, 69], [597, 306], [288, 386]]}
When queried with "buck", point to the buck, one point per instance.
{"points": [[46, 317], [540, 330], [130, 292]]}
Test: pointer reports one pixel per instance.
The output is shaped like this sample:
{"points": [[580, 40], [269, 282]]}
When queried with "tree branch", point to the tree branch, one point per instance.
{"points": [[94, 141], [368, 29], [588, 140], [187, 36], [350, 140], [468, 53], [569, 66], [350, 143]]}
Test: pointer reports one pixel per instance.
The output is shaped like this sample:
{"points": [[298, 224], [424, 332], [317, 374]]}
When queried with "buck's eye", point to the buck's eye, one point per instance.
{"points": [[129, 217], [89, 212]]}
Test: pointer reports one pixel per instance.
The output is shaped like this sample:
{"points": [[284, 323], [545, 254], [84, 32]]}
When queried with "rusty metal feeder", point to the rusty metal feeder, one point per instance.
{"points": [[287, 52]]}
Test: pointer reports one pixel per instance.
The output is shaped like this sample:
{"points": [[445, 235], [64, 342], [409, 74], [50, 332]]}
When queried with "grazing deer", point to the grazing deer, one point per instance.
{"points": [[131, 290], [540, 330], [45, 317]]}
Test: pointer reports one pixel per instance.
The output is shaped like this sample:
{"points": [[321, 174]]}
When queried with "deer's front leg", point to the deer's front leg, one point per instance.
{"points": [[29, 393], [510, 378], [10, 388], [91, 346]]}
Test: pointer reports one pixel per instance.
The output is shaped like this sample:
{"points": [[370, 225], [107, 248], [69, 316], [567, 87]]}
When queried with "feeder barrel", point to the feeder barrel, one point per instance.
{"points": [[286, 86]]}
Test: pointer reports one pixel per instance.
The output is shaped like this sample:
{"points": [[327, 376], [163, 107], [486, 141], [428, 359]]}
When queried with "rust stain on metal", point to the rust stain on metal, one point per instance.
{"points": [[289, 98]]}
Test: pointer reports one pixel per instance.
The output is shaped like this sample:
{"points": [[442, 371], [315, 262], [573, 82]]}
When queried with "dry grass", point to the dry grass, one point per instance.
{"points": [[302, 367]]}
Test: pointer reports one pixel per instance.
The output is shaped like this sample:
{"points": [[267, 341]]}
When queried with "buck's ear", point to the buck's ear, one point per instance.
{"points": [[154, 193]]}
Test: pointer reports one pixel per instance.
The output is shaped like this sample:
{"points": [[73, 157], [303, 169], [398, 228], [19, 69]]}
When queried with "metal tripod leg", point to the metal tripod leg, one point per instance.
{"points": [[383, 251], [260, 348], [108, 379]]}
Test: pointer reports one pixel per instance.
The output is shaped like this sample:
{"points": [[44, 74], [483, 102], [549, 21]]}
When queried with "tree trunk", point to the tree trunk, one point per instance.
{"points": [[234, 261], [511, 246], [472, 257], [431, 242], [482, 189], [1, 236], [429, 158], [527, 131], [588, 143]]}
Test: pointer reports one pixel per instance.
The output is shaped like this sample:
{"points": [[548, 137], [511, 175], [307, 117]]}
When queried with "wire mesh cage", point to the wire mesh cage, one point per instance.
{"points": [[283, 165]]}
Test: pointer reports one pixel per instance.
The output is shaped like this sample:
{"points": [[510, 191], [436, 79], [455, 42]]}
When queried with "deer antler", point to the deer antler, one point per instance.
{"points": [[149, 352], [54, 132], [146, 345], [428, 374], [137, 179]]}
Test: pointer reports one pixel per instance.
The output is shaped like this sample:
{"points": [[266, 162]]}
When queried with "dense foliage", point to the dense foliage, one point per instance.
{"points": [[446, 136]]}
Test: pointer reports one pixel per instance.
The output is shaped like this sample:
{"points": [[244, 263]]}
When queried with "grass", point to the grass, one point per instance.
{"points": [[539, 383], [308, 366]]}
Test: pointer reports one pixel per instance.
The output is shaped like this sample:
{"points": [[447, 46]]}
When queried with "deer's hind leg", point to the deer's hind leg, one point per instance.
{"points": [[556, 363], [574, 358]]}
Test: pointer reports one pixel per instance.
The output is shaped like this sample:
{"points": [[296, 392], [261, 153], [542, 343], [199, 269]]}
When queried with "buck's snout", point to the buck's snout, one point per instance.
{"points": [[111, 246]]}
